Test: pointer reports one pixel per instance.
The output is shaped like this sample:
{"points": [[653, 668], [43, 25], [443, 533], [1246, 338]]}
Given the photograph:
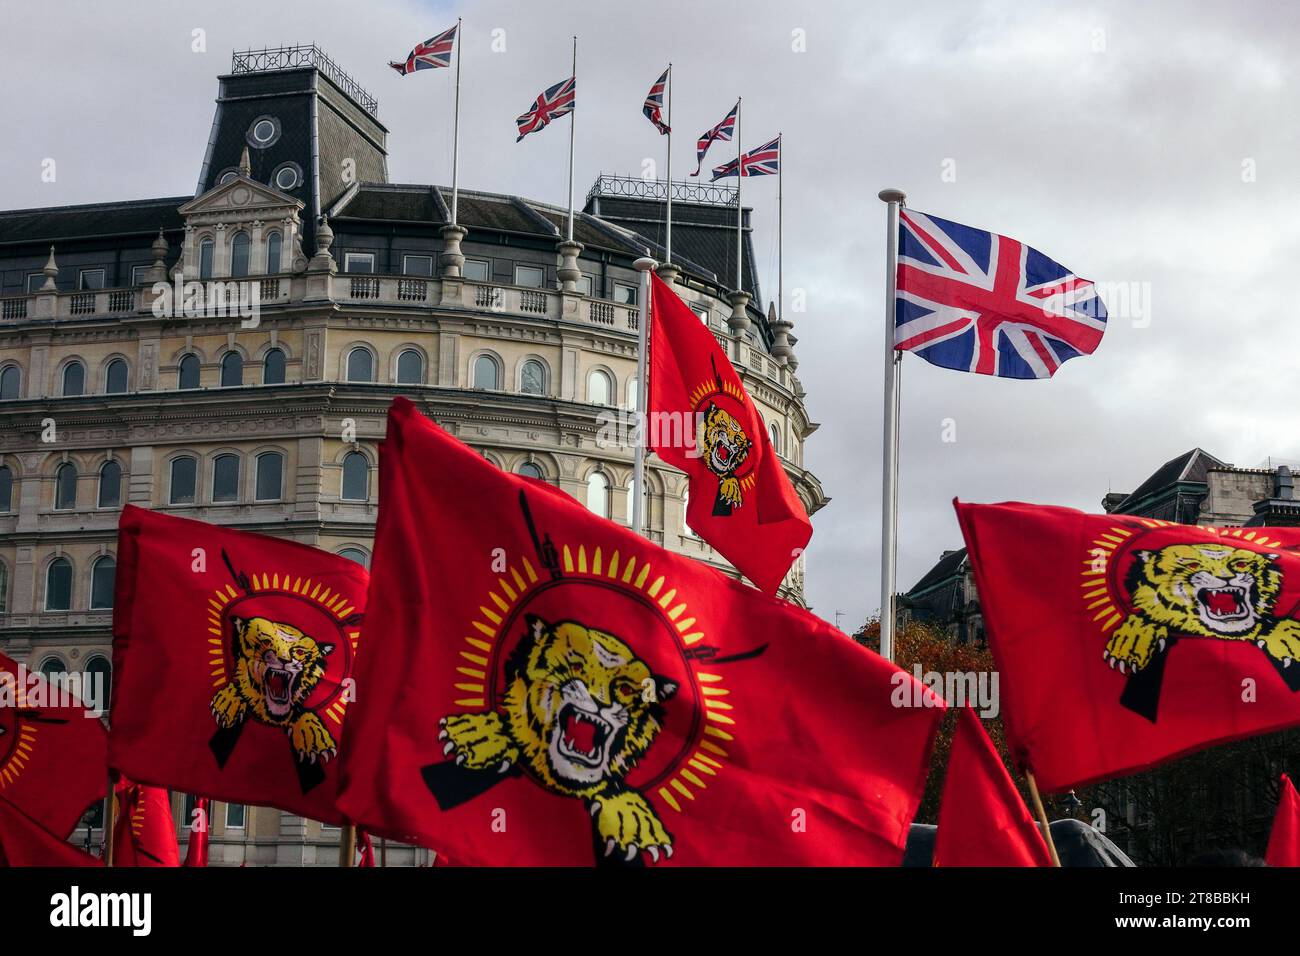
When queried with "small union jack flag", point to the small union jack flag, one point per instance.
{"points": [[721, 133], [979, 302], [555, 102], [654, 104], [431, 54], [765, 160]]}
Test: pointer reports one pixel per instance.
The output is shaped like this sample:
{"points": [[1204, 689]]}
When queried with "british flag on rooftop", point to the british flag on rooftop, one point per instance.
{"points": [[555, 102], [432, 53], [721, 133], [654, 104], [979, 302], [763, 160]]}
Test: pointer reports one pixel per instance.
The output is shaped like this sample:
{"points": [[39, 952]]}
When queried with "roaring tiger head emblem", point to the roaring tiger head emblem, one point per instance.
{"points": [[726, 446], [277, 666], [579, 710], [1202, 590]]}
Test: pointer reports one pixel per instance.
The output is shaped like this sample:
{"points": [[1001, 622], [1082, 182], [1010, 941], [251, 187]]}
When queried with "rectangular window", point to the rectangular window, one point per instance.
{"points": [[417, 266], [475, 269], [584, 285], [359, 262], [235, 814], [624, 293], [90, 279], [34, 282], [140, 274], [702, 313], [269, 468], [530, 276]]}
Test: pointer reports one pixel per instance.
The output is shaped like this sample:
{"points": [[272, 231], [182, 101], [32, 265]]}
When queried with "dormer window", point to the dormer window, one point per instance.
{"points": [[264, 132], [287, 176]]}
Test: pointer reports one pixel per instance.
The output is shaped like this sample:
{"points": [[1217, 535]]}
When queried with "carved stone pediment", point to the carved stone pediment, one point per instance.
{"points": [[240, 200]]}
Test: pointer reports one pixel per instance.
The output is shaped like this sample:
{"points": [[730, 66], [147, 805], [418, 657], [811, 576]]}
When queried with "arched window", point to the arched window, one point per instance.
{"points": [[273, 243], [188, 373], [410, 368], [99, 687], [225, 478], [532, 378], [270, 474], [361, 365], [184, 480], [486, 373], [58, 587], [776, 438], [6, 488], [357, 555], [599, 387], [686, 506], [115, 377], [74, 379], [54, 670], [631, 498], [110, 484], [239, 255], [206, 249], [11, 379], [273, 367], [101, 582], [530, 470], [232, 370], [65, 487], [356, 477], [633, 395], [598, 494]]}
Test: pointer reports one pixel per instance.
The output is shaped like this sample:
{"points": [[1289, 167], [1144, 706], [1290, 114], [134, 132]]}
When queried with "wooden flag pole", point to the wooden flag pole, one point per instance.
{"points": [[348, 845], [110, 819], [1042, 818]]}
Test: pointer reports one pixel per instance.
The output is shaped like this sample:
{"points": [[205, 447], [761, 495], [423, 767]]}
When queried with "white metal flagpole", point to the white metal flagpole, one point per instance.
{"points": [[780, 229], [646, 266], [740, 175], [573, 122], [668, 237], [455, 133], [889, 490]]}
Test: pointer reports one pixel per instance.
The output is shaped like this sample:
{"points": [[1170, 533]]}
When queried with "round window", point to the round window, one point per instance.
{"points": [[264, 131], [227, 176], [287, 177]]}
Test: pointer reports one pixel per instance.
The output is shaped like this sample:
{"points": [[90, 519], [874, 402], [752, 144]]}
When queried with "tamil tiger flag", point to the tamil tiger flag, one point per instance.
{"points": [[232, 656], [26, 842], [1284, 840], [587, 696], [53, 749], [144, 834], [700, 419], [982, 819], [1125, 641]]}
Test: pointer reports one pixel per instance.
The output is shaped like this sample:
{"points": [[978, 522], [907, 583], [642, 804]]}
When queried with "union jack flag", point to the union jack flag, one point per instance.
{"points": [[431, 54], [555, 102], [654, 104], [979, 302], [765, 160], [721, 133]]}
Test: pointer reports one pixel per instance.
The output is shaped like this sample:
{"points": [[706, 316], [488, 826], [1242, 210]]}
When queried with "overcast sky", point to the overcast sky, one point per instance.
{"points": [[1152, 144]]}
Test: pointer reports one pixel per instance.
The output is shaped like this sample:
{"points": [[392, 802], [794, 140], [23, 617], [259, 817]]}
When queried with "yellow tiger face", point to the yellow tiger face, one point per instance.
{"points": [[726, 446], [580, 706], [276, 668], [1209, 590]]}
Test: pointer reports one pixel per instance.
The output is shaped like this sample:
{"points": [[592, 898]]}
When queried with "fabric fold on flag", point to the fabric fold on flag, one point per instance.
{"points": [[554, 102], [432, 54], [700, 419], [25, 842], [196, 851], [144, 834], [1284, 839], [763, 160], [654, 104], [1125, 641], [232, 662], [982, 819], [586, 696], [975, 301], [721, 133]]}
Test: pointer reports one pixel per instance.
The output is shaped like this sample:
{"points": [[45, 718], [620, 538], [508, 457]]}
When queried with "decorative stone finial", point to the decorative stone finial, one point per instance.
{"points": [[453, 260], [568, 271], [245, 166], [668, 271], [324, 237], [51, 271], [158, 271], [782, 350], [738, 321]]}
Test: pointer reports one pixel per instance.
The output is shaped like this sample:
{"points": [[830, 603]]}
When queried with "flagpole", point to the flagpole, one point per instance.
{"points": [[110, 820], [740, 175], [646, 266], [348, 845], [573, 121], [889, 484], [668, 238], [455, 134], [780, 229], [1042, 818]]}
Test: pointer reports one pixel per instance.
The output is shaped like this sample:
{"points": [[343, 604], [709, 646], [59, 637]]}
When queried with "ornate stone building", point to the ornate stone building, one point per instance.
{"points": [[341, 291]]}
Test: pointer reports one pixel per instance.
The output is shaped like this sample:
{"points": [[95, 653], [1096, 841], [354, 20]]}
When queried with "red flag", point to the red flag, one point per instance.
{"points": [[584, 695], [366, 849], [232, 654], [1125, 641], [53, 750], [982, 820], [196, 853], [25, 842], [701, 420], [1284, 841], [144, 834]]}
